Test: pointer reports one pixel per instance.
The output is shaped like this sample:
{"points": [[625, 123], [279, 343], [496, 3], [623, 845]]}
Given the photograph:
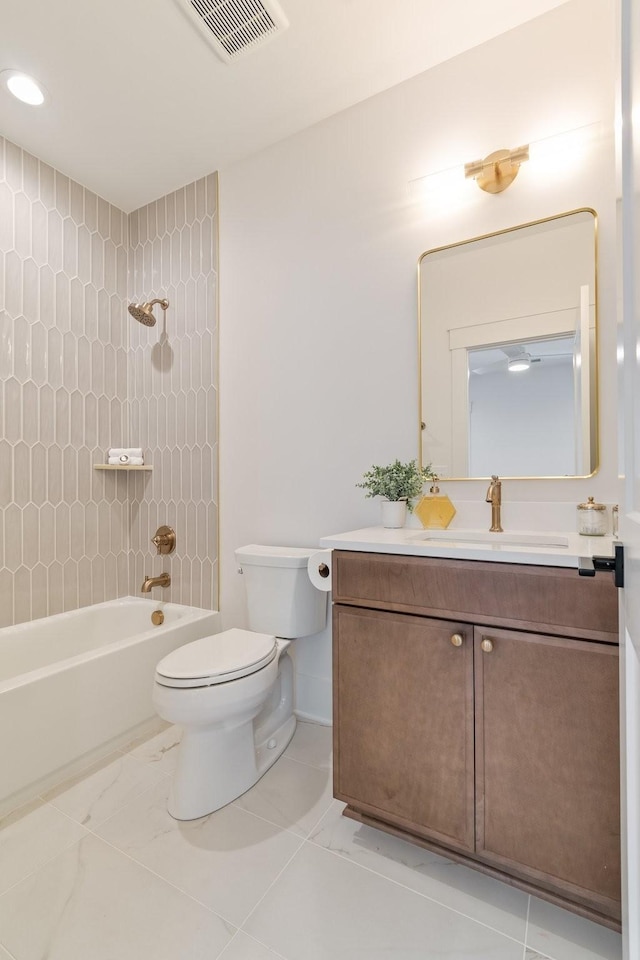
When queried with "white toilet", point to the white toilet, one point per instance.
{"points": [[232, 692]]}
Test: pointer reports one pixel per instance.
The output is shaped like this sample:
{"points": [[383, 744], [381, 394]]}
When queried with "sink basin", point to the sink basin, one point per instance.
{"points": [[517, 539]]}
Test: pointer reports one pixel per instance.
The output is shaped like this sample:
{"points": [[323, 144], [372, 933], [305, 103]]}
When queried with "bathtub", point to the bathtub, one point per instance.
{"points": [[76, 685]]}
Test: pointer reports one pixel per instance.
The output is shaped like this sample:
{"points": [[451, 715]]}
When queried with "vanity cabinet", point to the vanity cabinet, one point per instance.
{"points": [[476, 713]]}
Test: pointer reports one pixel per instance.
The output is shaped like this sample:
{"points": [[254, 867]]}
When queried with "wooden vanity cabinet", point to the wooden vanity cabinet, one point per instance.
{"points": [[494, 745], [406, 721]]}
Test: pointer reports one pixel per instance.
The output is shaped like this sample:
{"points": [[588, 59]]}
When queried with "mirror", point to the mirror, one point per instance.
{"points": [[508, 355]]}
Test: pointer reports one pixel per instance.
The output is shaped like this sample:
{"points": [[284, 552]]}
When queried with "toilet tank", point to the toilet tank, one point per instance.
{"points": [[280, 596]]}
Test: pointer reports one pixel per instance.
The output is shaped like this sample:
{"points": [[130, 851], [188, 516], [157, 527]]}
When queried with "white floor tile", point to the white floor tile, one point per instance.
{"points": [[227, 860], [29, 837], [155, 727], [69, 895], [323, 907], [92, 902], [561, 935], [103, 790], [311, 743], [473, 894], [243, 947], [291, 794], [160, 751]]}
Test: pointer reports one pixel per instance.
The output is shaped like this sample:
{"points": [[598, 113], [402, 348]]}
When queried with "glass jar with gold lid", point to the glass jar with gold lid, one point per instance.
{"points": [[592, 518]]}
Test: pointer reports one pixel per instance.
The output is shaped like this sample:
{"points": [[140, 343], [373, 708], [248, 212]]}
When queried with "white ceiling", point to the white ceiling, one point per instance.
{"points": [[140, 104]]}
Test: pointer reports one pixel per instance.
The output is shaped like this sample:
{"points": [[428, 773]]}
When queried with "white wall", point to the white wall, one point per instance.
{"points": [[319, 243]]}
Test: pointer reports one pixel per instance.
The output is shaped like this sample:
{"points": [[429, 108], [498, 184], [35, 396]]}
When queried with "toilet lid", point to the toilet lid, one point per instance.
{"points": [[216, 659]]}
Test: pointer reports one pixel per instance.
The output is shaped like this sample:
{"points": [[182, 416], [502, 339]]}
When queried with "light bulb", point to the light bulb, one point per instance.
{"points": [[24, 87]]}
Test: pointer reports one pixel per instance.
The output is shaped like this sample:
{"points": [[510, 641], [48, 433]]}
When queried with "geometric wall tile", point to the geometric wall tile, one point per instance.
{"points": [[78, 375]]}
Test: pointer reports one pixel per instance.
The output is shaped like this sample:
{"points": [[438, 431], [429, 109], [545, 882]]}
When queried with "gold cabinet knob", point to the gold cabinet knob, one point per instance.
{"points": [[487, 645], [456, 639]]}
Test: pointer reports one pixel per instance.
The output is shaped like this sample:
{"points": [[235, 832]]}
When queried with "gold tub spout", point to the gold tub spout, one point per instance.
{"points": [[494, 497], [164, 580]]}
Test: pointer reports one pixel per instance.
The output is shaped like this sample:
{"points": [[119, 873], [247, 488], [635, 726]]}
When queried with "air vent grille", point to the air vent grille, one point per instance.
{"points": [[237, 26]]}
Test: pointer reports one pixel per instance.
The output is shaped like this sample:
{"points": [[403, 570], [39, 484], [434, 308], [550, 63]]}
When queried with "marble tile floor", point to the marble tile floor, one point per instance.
{"points": [[97, 870]]}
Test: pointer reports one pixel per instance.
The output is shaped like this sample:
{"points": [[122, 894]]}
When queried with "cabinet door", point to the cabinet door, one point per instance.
{"points": [[547, 760], [403, 721]]}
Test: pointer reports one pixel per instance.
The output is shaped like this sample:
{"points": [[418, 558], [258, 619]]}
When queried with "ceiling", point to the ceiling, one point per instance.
{"points": [[140, 104]]}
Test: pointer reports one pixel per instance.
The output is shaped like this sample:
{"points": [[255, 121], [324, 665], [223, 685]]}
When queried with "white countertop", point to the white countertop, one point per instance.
{"points": [[562, 549]]}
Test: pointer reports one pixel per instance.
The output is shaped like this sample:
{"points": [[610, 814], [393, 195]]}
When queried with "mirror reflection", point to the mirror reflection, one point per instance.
{"points": [[508, 352]]}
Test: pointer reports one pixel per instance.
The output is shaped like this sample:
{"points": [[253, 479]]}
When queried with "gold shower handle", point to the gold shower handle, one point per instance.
{"points": [[164, 540]]}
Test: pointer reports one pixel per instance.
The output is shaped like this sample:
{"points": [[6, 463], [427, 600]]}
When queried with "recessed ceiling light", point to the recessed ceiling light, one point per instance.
{"points": [[24, 87]]}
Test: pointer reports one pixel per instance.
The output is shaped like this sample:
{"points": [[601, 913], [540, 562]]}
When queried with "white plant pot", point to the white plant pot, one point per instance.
{"points": [[394, 513]]}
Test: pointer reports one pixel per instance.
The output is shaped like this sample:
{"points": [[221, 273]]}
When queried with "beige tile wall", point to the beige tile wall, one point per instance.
{"points": [[172, 390], [78, 375]]}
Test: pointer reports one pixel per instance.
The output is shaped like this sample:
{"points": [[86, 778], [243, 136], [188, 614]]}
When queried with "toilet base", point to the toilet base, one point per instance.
{"points": [[197, 788], [219, 762]]}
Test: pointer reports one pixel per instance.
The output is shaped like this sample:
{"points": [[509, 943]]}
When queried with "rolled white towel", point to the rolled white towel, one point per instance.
{"points": [[125, 452], [129, 462]]}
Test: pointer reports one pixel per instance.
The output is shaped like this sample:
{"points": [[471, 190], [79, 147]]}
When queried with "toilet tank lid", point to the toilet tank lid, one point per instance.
{"points": [[261, 556]]}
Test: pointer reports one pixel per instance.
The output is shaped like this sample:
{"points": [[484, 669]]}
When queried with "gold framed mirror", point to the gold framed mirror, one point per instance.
{"points": [[507, 344]]}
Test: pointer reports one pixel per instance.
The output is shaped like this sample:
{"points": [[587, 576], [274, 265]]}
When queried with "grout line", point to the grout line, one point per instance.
{"points": [[231, 923], [270, 887], [306, 763], [249, 936], [11, 956], [526, 929], [418, 893], [46, 803], [40, 866], [271, 823], [169, 883]]}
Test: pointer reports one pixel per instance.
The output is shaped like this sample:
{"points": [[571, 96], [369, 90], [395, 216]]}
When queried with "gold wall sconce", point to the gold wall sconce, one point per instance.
{"points": [[549, 160], [498, 170]]}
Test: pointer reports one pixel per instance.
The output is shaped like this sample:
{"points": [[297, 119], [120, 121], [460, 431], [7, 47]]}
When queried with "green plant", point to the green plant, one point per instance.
{"points": [[397, 481]]}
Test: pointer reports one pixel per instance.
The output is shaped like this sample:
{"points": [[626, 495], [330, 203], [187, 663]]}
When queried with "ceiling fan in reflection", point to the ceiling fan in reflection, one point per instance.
{"points": [[516, 360]]}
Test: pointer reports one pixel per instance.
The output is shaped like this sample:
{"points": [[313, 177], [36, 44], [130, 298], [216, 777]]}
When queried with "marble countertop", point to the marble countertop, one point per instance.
{"points": [[552, 549]]}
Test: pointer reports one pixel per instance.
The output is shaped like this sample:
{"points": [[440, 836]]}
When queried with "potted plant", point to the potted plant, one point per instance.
{"points": [[397, 483]]}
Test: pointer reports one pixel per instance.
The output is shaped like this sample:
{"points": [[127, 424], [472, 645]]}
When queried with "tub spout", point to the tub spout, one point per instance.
{"points": [[164, 580]]}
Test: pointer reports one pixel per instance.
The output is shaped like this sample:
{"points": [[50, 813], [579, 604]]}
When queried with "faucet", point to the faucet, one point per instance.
{"points": [[494, 497], [164, 580]]}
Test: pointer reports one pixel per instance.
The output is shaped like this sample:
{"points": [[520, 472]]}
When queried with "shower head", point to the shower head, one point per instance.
{"points": [[143, 312]]}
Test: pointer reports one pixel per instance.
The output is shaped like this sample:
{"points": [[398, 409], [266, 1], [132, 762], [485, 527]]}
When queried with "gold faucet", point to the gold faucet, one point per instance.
{"points": [[494, 497], [164, 580]]}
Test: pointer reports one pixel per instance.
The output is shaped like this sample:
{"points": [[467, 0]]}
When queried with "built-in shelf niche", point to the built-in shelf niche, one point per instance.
{"points": [[124, 466]]}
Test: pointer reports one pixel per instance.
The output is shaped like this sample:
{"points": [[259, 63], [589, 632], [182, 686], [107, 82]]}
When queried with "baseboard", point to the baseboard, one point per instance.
{"points": [[310, 718]]}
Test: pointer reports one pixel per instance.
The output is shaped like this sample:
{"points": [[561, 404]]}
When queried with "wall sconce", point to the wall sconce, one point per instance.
{"points": [[550, 160], [497, 171]]}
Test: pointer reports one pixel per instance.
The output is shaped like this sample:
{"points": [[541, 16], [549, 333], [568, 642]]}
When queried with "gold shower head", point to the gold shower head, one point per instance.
{"points": [[143, 312]]}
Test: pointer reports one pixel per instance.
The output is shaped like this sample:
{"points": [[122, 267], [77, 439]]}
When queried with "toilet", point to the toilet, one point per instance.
{"points": [[232, 692]]}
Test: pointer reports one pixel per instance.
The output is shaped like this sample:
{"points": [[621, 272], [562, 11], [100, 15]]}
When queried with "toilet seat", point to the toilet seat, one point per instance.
{"points": [[219, 658]]}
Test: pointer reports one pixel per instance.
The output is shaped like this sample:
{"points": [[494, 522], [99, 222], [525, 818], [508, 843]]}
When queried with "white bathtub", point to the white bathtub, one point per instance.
{"points": [[76, 685]]}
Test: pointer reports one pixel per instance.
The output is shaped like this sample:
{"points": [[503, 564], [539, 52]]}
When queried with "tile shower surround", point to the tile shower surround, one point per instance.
{"points": [[78, 375]]}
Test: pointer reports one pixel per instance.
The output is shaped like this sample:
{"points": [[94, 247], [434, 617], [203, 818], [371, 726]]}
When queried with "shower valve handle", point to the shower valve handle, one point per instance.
{"points": [[164, 540]]}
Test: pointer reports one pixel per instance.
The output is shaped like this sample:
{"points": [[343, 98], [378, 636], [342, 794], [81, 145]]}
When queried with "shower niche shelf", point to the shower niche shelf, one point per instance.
{"points": [[124, 466]]}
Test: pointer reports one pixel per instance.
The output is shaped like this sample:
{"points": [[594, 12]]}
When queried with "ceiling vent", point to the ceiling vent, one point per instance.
{"points": [[234, 27]]}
